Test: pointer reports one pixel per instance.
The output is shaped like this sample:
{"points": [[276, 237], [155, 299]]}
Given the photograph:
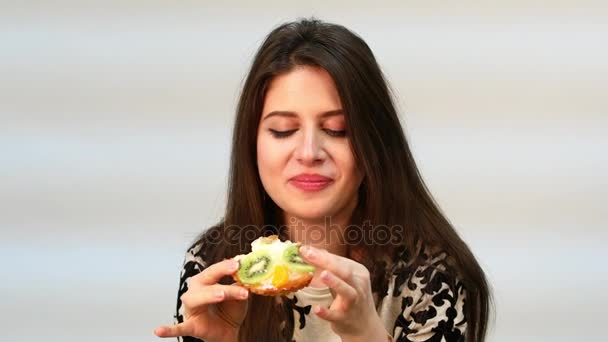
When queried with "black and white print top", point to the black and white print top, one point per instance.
{"points": [[422, 304]]}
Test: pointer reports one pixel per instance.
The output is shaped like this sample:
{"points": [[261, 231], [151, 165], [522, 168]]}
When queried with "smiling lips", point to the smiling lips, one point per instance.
{"points": [[310, 181]]}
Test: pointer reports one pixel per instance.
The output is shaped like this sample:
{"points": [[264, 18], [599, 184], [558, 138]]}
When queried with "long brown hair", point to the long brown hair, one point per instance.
{"points": [[392, 193]]}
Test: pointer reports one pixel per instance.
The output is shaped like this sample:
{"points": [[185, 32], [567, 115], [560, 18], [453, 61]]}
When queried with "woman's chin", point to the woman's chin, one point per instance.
{"points": [[318, 215]]}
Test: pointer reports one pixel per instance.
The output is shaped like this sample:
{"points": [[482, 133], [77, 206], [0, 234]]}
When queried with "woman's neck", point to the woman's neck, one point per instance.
{"points": [[326, 234]]}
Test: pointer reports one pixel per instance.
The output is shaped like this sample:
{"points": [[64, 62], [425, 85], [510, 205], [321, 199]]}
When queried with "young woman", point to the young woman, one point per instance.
{"points": [[319, 157]]}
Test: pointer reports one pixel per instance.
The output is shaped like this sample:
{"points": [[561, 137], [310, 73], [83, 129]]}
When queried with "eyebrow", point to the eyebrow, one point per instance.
{"points": [[290, 114]]}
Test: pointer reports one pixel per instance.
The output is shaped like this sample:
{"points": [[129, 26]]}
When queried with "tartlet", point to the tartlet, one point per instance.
{"points": [[273, 267]]}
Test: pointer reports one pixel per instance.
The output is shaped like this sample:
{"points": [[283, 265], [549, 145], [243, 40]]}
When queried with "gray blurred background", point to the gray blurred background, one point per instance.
{"points": [[114, 143]]}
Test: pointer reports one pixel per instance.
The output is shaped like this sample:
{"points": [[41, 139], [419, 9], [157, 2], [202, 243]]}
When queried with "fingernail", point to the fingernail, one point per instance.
{"points": [[325, 275], [243, 293], [307, 251], [235, 265], [219, 294]]}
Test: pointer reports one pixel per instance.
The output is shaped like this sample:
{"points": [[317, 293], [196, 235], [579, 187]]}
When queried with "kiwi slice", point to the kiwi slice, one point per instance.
{"points": [[292, 257], [255, 267]]}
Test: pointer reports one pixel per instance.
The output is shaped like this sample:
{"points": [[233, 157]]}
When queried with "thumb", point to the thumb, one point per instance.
{"points": [[180, 329]]}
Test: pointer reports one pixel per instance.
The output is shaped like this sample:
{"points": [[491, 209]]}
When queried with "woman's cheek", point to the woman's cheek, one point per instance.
{"points": [[272, 157]]}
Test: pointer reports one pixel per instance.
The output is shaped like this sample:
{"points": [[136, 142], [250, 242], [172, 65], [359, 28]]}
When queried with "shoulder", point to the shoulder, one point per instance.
{"points": [[200, 254], [196, 259], [432, 297], [193, 264]]}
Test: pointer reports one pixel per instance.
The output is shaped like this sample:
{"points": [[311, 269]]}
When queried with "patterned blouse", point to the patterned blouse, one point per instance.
{"points": [[422, 304]]}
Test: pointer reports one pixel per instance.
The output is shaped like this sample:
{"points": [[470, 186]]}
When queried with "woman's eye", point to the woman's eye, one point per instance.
{"points": [[285, 134], [335, 133], [281, 134]]}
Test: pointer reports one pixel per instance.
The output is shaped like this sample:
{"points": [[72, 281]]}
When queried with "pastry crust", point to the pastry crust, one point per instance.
{"points": [[300, 281]]}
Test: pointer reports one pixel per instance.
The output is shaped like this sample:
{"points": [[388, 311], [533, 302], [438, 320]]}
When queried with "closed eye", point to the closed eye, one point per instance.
{"points": [[335, 133], [285, 134], [281, 134]]}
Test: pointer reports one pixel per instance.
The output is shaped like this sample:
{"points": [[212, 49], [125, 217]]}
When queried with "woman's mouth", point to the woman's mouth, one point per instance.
{"points": [[310, 182]]}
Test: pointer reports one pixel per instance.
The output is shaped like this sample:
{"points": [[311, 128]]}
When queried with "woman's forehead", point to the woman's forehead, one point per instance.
{"points": [[303, 91], [295, 115]]}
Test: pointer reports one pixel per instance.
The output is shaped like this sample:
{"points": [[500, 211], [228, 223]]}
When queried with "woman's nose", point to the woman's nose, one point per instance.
{"points": [[310, 148]]}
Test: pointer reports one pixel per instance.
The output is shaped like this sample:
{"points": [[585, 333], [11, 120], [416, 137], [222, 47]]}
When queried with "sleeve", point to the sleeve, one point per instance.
{"points": [[193, 265], [433, 311]]}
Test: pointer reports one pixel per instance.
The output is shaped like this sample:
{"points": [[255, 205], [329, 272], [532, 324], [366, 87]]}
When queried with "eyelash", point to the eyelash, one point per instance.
{"points": [[335, 133], [281, 134], [285, 134]]}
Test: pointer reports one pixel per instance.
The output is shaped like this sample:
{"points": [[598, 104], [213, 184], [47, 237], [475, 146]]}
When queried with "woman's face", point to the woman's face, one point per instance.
{"points": [[305, 160]]}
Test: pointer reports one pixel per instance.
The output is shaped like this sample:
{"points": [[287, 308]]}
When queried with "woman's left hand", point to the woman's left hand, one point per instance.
{"points": [[352, 313]]}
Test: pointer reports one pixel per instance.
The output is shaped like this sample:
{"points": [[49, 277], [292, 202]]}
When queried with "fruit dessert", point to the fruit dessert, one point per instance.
{"points": [[273, 267]]}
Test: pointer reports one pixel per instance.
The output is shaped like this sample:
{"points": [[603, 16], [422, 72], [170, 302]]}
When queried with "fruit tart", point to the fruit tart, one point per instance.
{"points": [[273, 267]]}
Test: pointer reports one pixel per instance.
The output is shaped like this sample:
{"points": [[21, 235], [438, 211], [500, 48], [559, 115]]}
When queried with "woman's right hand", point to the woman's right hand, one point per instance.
{"points": [[212, 312]]}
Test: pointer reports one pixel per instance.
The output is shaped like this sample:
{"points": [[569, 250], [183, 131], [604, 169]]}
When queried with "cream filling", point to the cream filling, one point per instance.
{"points": [[275, 249]]}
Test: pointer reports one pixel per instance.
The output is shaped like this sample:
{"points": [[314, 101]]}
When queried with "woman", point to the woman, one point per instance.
{"points": [[319, 157]]}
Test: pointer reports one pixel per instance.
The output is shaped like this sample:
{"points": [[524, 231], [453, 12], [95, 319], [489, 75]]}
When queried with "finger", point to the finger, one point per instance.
{"points": [[180, 329], [234, 292], [340, 266], [340, 286], [327, 314], [213, 294], [212, 274]]}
